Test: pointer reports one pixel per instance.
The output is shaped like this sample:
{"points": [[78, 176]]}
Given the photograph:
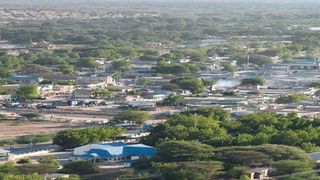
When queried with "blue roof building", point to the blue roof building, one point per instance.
{"points": [[115, 152]]}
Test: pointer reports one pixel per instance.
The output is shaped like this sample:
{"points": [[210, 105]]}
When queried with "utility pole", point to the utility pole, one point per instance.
{"points": [[316, 58]]}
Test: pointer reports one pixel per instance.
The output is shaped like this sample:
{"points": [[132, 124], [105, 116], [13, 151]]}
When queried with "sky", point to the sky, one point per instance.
{"points": [[196, 1], [152, 3]]}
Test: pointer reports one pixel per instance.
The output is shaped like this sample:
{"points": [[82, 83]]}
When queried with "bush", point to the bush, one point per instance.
{"points": [[33, 115], [230, 94], [7, 142], [291, 166], [315, 84], [170, 87], [253, 81], [189, 170], [51, 160], [293, 98], [24, 161], [3, 116], [33, 176], [80, 167], [36, 168], [34, 138]]}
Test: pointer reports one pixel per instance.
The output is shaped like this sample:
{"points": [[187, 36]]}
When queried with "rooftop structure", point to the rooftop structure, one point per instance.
{"points": [[114, 152]]}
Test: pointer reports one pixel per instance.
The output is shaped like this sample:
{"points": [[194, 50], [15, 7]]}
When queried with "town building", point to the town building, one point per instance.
{"points": [[94, 81], [259, 173], [303, 64], [117, 152]]}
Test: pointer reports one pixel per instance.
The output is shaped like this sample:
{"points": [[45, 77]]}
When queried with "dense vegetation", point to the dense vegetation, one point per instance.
{"points": [[193, 160], [28, 92], [195, 85], [72, 138], [136, 117], [253, 81], [291, 98], [213, 126], [27, 139], [208, 144], [80, 167]]}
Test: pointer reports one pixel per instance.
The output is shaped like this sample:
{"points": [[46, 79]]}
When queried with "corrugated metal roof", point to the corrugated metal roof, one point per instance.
{"points": [[138, 150], [119, 149]]}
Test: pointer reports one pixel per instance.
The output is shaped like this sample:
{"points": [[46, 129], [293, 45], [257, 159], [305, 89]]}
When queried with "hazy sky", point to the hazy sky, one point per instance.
{"points": [[153, 3], [95, 1]]}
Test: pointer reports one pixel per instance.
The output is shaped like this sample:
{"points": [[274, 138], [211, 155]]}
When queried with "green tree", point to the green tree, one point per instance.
{"points": [[246, 158], [137, 117], [173, 100], [244, 139], [229, 67], [189, 83], [101, 93], [193, 127], [216, 113], [28, 92], [72, 138], [88, 63], [179, 151], [173, 68], [67, 69], [170, 87], [253, 81], [197, 170], [143, 82], [291, 98], [8, 168], [291, 166], [120, 65], [2, 90], [5, 72], [236, 172]]}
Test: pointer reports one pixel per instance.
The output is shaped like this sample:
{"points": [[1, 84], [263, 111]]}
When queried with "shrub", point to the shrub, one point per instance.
{"points": [[24, 161], [80, 167]]}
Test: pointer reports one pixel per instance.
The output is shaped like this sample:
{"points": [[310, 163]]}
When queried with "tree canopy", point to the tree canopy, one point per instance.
{"points": [[137, 117], [214, 126], [28, 92], [253, 81], [291, 98], [189, 83], [72, 138]]}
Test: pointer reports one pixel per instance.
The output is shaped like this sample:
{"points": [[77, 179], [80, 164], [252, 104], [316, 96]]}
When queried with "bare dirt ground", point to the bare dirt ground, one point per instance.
{"points": [[10, 130], [58, 121]]}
